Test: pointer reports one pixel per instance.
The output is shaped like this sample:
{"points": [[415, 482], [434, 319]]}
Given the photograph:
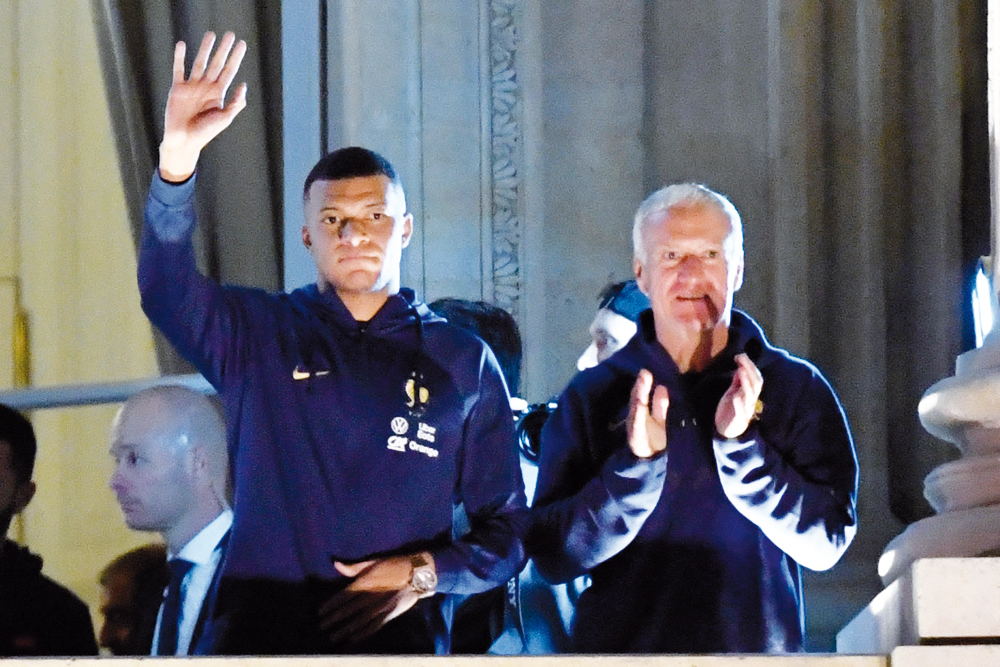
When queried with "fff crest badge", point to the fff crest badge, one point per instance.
{"points": [[417, 395]]}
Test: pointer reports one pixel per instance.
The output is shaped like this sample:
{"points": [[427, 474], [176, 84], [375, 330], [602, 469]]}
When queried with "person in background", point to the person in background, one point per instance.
{"points": [[479, 618], [544, 612], [171, 477], [492, 324], [695, 471], [532, 616], [131, 591], [614, 323], [38, 617]]}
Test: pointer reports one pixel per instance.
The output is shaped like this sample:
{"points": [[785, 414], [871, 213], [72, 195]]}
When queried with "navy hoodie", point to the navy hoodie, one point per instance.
{"points": [[696, 550], [38, 617], [349, 440]]}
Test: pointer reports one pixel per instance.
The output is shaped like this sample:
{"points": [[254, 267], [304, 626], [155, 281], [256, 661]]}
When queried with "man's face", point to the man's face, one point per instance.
{"points": [[691, 269], [153, 481], [609, 332], [356, 229], [14, 494], [118, 607]]}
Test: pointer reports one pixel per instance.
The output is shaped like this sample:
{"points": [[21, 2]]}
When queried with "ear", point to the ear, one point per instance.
{"points": [[640, 279], [306, 240], [407, 229], [199, 461], [738, 282], [23, 496]]}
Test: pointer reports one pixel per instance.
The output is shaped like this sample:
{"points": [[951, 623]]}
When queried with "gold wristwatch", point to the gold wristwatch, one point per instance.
{"points": [[423, 576]]}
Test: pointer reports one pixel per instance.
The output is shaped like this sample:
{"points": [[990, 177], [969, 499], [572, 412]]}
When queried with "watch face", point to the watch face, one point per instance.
{"points": [[423, 581]]}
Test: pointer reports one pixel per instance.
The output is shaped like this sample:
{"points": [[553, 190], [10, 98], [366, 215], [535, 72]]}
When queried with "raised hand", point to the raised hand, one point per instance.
{"points": [[197, 110], [739, 404], [379, 593], [647, 420]]}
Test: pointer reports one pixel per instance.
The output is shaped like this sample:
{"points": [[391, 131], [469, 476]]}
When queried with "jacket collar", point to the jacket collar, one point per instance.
{"points": [[745, 335], [399, 309]]}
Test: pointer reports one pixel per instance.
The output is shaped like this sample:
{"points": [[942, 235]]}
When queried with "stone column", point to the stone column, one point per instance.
{"points": [[964, 410]]}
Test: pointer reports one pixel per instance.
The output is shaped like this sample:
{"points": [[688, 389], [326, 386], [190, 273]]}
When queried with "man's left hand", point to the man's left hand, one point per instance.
{"points": [[739, 404], [379, 593]]}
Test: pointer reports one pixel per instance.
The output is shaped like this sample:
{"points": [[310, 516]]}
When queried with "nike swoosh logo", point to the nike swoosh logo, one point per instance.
{"points": [[299, 374]]}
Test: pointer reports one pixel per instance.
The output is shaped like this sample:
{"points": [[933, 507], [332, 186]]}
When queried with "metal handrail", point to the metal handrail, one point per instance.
{"points": [[69, 395]]}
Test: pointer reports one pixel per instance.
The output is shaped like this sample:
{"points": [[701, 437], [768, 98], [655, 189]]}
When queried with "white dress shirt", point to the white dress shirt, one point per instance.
{"points": [[202, 550]]}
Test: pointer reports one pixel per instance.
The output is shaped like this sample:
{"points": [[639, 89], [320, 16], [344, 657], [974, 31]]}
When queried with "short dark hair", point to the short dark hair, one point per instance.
{"points": [[140, 563], [350, 162], [495, 326], [16, 430]]}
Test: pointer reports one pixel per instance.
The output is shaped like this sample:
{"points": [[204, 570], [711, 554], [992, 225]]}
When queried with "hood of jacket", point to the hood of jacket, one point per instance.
{"points": [[745, 335], [398, 311]]}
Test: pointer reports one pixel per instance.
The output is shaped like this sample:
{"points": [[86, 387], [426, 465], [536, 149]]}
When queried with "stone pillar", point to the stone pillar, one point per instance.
{"points": [[935, 593], [965, 411]]}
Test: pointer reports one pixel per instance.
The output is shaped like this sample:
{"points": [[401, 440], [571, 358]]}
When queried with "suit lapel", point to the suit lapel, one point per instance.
{"points": [[201, 640]]}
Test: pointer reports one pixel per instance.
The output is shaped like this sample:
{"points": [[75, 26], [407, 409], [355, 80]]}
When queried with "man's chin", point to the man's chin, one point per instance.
{"points": [[356, 282], [135, 522], [696, 321], [359, 285]]}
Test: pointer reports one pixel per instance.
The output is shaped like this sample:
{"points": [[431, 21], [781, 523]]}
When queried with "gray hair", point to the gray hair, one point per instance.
{"points": [[683, 194]]}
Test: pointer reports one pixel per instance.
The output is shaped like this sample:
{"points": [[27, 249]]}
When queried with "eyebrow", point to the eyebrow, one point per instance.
{"points": [[371, 203]]}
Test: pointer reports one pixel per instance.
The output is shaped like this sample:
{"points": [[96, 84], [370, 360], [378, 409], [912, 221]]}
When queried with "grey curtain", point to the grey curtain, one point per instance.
{"points": [[239, 194]]}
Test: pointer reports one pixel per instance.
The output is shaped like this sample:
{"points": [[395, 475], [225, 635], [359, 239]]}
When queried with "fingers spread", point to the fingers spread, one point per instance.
{"points": [[363, 631], [221, 54], [180, 50], [201, 60], [239, 101], [228, 72]]}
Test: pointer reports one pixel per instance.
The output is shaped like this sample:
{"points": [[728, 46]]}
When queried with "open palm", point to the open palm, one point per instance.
{"points": [[197, 110]]}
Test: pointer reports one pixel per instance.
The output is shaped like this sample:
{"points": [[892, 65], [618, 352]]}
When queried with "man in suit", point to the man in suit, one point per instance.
{"points": [[171, 472]]}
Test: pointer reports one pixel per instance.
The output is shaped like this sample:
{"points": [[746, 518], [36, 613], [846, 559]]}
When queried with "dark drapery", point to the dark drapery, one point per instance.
{"points": [[239, 203]]}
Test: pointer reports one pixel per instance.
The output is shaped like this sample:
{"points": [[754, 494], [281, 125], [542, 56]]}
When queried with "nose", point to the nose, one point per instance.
{"points": [[352, 231], [690, 266], [116, 483], [588, 359]]}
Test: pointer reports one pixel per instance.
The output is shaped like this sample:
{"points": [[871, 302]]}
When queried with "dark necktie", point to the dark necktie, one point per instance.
{"points": [[172, 607]]}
